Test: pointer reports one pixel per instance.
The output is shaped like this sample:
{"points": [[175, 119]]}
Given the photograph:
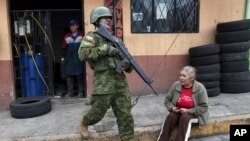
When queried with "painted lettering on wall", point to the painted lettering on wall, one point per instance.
{"points": [[115, 6]]}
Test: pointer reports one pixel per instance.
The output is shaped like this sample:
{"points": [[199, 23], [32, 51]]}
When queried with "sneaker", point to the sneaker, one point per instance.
{"points": [[84, 132], [68, 94], [80, 94]]}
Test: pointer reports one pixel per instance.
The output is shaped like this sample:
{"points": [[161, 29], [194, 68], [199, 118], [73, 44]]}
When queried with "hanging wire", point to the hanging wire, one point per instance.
{"points": [[50, 45], [33, 59], [18, 54], [29, 47], [45, 33], [167, 50]]}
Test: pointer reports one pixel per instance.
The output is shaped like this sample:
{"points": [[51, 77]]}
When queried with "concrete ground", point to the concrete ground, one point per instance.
{"points": [[62, 123]]}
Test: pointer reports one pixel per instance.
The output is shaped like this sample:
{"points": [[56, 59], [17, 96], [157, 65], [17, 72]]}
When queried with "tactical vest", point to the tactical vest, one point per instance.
{"points": [[106, 62]]}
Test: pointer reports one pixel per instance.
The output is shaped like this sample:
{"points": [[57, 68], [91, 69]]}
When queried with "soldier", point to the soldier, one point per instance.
{"points": [[110, 88]]}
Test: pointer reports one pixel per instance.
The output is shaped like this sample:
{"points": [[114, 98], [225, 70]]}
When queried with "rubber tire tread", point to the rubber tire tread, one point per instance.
{"points": [[30, 107], [235, 87], [212, 84], [229, 57], [214, 68], [238, 66], [204, 50], [212, 92], [232, 37], [235, 77], [208, 77], [233, 26], [234, 47], [205, 60]]}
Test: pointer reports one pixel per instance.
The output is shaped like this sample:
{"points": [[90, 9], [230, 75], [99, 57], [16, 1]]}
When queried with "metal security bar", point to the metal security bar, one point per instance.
{"points": [[164, 16], [29, 38]]}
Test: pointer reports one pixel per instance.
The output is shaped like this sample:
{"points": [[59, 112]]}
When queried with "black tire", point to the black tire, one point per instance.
{"points": [[214, 68], [234, 47], [233, 37], [233, 26], [205, 60], [213, 92], [204, 50], [30, 107], [208, 77], [239, 56], [235, 77], [235, 87], [212, 84], [238, 66]]}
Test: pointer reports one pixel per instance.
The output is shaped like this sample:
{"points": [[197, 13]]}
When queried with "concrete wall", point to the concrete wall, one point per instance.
{"points": [[6, 71], [149, 49]]}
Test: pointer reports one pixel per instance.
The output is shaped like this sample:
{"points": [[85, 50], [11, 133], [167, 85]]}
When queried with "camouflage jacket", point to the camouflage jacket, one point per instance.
{"points": [[94, 50]]}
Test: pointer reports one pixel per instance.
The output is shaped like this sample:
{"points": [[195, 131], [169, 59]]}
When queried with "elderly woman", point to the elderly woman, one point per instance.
{"points": [[187, 99]]}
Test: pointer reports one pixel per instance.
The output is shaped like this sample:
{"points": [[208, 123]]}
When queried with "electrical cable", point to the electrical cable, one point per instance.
{"points": [[32, 56], [16, 49], [167, 50], [46, 35]]}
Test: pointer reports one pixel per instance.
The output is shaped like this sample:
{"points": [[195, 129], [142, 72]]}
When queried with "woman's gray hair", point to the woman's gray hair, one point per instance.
{"points": [[191, 71]]}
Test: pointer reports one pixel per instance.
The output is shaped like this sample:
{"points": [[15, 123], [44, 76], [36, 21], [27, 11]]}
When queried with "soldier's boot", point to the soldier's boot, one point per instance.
{"points": [[130, 140], [84, 132]]}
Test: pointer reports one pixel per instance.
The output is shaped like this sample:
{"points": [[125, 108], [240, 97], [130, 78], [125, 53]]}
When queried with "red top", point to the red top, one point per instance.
{"points": [[69, 38], [185, 100]]}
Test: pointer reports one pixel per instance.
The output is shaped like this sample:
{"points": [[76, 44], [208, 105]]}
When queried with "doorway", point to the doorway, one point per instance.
{"points": [[38, 28]]}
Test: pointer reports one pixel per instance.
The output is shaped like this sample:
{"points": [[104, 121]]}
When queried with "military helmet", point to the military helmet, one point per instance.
{"points": [[98, 13]]}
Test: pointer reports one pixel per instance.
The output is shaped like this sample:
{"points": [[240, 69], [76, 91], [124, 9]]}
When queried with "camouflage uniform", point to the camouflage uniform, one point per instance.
{"points": [[110, 87]]}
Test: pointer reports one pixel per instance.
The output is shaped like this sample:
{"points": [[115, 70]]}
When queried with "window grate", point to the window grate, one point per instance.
{"points": [[164, 16]]}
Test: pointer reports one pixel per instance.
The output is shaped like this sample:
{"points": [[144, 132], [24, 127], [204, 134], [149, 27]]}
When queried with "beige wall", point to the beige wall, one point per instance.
{"points": [[89, 5], [149, 49], [6, 71], [5, 52], [211, 12]]}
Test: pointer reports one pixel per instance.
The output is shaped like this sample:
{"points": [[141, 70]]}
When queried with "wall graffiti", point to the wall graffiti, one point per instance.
{"points": [[115, 6]]}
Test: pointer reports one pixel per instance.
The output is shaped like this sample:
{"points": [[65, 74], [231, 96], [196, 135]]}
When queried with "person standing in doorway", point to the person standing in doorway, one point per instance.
{"points": [[73, 65], [110, 88]]}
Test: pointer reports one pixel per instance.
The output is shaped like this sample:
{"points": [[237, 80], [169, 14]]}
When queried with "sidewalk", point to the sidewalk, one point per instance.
{"points": [[62, 123]]}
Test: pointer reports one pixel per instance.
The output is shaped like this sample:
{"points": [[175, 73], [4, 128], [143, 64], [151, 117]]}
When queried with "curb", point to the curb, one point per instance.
{"points": [[215, 126]]}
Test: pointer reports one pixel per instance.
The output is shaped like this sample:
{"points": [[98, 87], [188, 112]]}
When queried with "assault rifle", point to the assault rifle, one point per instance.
{"points": [[125, 55]]}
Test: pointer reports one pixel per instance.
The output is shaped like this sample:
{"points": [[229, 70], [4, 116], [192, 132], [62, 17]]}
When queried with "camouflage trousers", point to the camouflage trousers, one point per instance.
{"points": [[121, 105]]}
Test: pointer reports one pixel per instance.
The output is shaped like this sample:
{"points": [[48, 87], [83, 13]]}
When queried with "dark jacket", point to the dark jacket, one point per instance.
{"points": [[71, 44]]}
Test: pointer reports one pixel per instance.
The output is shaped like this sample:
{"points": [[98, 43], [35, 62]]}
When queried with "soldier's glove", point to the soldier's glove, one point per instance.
{"points": [[127, 66], [113, 51]]}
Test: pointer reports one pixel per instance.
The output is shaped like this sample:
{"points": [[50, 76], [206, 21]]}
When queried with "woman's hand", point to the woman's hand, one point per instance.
{"points": [[183, 110], [175, 110]]}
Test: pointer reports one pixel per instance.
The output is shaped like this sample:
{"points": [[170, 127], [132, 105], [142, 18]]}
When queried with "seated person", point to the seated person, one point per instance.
{"points": [[187, 99]]}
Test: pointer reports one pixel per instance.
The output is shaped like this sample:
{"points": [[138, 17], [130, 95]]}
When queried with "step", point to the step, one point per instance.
{"points": [[215, 126]]}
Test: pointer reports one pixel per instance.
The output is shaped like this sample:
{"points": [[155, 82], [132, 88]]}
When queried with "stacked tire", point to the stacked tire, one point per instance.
{"points": [[206, 59], [233, 39]]}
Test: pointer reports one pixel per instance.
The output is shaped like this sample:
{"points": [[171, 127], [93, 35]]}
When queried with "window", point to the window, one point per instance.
{"points": [[164, 16]]}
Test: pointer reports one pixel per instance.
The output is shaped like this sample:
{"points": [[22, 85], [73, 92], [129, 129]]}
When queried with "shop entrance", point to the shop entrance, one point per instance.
{"points": [[38, 28]]}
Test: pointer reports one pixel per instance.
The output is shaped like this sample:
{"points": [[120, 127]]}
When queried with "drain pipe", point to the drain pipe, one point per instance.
{"points": [[245, 9]]}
